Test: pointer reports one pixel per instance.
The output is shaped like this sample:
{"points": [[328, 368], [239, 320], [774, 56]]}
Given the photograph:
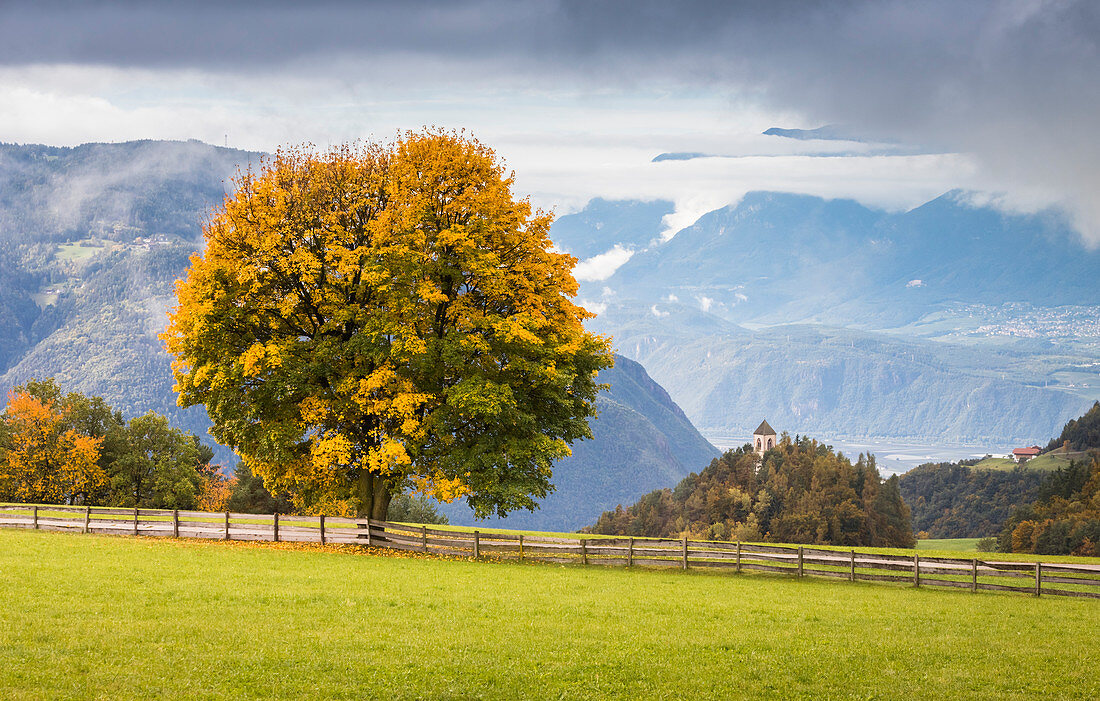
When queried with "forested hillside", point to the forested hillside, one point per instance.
{"points": [[1080, 434], [1064, 520], [948, 500], [801, 492], [966, 500]]}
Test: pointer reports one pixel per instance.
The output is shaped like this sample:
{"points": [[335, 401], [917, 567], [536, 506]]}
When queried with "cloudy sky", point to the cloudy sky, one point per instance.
{"points": [[579, 97]]}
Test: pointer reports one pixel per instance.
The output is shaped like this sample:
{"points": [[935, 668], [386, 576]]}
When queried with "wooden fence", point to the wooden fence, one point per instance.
{"points": [[974, 574]]}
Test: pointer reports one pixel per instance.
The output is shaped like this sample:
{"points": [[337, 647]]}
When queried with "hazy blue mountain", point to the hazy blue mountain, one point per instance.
{"points": [[604, 223], [750, 260], [829, 132], [776, 258], [680, 156], [112, 191], [840, 382], [641, 441], [1010, 299]]}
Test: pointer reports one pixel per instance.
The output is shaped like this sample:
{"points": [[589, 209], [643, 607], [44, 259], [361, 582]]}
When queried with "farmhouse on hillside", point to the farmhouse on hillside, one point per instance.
{"points": [[763, 438], [1022, 455]]}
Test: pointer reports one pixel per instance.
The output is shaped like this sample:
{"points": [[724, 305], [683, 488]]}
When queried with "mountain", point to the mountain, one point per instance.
{"points": [[112, 191], [950, 322], [97, 235], [641, 441], [842, 383], [630, 224], [829, 132], [783, 258]]}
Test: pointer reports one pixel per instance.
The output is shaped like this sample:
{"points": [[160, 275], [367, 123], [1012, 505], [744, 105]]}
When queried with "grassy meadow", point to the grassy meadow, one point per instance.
{"points": [[1047, 462], [86, 616], [964, 547]]}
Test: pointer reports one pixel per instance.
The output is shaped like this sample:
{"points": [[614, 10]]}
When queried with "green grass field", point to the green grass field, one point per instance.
{"points": [[114, 617], [81, 250], [963, 546]]}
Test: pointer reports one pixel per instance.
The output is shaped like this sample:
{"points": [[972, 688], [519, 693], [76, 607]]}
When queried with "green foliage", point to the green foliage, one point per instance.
{"points": [[987, 545], [1082, 433], [1065, 519], [801, 492], [406, 508], [159, 467], [250, 496], [956, 501]]}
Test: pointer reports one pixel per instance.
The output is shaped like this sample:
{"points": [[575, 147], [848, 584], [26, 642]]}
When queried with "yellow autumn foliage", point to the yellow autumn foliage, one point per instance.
{"points": [[42, 462], [387, 317]]}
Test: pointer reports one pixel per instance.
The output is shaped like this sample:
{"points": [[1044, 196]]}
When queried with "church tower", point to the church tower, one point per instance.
{"points": [[763, 438]]}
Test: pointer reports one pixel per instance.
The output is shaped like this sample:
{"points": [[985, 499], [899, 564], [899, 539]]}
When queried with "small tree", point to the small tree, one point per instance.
{"points": [[159, 466], [42, 460], [381, 318]]}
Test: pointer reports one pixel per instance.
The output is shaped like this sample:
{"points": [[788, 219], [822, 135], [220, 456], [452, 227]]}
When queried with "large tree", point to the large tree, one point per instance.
{"points": [[378, 318]]}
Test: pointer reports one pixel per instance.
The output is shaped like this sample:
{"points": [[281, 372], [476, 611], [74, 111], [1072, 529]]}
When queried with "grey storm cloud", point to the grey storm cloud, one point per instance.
{"points": [[1014, 82]]}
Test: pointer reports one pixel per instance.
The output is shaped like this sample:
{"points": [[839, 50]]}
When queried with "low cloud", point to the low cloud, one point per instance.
{"points": [[602, 266]]}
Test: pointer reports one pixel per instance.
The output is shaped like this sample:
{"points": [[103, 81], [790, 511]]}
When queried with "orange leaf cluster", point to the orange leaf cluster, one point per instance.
{"points": [[43, 462]]}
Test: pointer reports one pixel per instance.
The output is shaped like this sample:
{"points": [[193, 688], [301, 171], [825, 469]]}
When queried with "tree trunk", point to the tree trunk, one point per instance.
{"points": [[382, 495], [374, 497]]}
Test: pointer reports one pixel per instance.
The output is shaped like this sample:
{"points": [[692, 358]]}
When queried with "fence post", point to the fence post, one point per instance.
{"points": [[521, 546], [799, 560], [738, 556], [369, 541], [974, 576], [34, 516], [175, 523], [477, 545], [227, 525], [87, 518], [584, 551], [275, 526], [135, 520], [685, 553], [630, 553], [322, 529], [916, 570], [1038, 578], [852, 571], [424, 538]]}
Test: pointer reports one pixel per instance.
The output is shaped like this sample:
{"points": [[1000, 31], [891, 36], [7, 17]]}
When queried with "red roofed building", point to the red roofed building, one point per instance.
{"points": [[1022, 455]]}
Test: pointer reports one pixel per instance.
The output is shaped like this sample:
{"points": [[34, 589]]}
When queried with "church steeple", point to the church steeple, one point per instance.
{"points": [[763, 438]]}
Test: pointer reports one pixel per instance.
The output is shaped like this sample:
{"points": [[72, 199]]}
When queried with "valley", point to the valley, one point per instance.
{"points": [[787, 307]]}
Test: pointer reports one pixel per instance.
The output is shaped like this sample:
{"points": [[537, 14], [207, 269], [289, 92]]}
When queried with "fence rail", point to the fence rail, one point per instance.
{"points": [[974, 574]]}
